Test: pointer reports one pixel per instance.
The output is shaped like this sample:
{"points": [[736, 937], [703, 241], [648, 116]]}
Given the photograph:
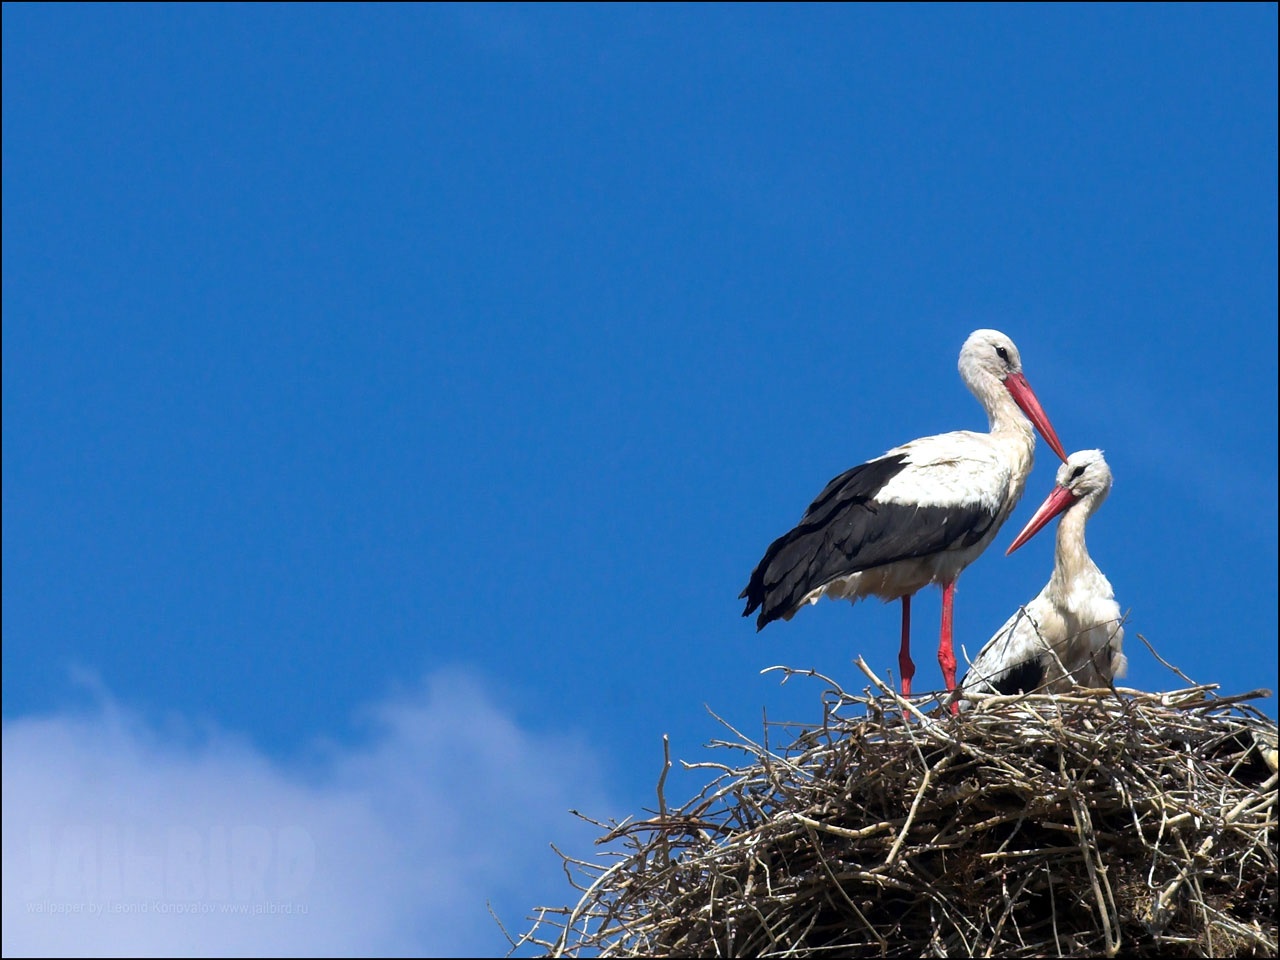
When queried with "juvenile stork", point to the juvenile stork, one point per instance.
{"points": [[1070, 633], [917, 515]]}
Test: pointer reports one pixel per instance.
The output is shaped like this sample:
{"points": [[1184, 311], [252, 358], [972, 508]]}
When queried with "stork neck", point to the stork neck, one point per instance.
{"points": [[1014, 432], [1072, 560], [1007, 419]]}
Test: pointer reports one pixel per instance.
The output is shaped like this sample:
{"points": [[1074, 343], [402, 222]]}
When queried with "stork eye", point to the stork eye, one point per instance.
{"points": [[1075, 474], [1003, 354]]}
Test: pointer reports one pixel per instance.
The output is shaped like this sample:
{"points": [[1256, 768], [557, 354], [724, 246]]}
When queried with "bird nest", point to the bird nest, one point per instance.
{"points": [[1091, 824]]}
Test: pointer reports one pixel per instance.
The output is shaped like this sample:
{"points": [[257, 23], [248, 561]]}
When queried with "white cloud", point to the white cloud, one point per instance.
{"points": [[122, 840]]}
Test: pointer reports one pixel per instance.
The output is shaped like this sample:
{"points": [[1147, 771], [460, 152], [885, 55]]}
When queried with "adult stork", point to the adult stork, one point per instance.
{"points": [[1070, 633], [917, 515]]}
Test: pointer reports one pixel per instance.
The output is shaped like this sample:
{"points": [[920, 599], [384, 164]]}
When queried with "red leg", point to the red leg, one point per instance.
{"points": [[904, 654], [946, 653]]}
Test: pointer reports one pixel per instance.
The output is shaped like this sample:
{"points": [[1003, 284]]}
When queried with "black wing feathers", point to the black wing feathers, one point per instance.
{"points": [[1021, 676], [845, 530], [1025, 677]]}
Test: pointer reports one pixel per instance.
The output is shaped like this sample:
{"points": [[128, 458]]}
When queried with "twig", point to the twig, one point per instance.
{"points": [[1164, 661]]}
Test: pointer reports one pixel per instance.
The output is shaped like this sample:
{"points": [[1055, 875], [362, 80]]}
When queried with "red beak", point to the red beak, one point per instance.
{"points": [[1054, 504], [1025, 398]]}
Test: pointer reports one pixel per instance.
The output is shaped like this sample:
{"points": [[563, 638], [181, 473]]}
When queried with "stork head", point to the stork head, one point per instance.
{"points": [[989, 361], [1084, 476]]}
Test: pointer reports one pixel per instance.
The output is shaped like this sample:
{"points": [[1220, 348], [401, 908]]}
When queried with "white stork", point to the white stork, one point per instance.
{"points": [[1070, 633], [917, 515]]}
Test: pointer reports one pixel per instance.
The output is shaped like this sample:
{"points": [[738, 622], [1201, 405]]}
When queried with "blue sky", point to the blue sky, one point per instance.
{"points": [[396, 400]]}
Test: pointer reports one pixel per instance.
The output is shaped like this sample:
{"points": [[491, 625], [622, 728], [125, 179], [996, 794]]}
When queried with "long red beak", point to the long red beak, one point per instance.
{"points": [[1025, 398], [1054, 504]]}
